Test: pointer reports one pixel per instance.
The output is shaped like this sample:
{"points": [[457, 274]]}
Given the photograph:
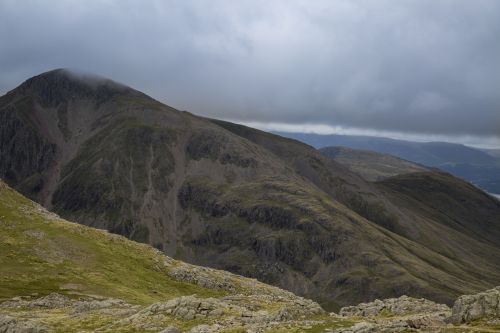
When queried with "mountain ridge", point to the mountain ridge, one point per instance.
{"points": [[481, 167], [370, 165]]}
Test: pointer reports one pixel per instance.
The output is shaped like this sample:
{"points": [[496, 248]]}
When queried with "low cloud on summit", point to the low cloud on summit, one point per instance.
{"points": [[422, 67]]}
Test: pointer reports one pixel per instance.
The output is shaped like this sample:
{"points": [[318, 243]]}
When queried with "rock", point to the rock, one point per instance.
{"points": [[413, 323], [58, 301], [468, 308], [393, 306], [89, 305], [202, 277], [187, 308], [51, 301], [171, 329], [201, 329], [13, 325], [35, 234], [403, 314], [362, 327]]}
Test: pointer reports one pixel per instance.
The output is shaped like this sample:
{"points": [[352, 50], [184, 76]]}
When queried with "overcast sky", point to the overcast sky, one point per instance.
{"points": [[425, 68]]}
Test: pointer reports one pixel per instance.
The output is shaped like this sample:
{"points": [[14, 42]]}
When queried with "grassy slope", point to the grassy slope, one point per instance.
{"points": [[43, 254], [370, 165], [449, 201]]}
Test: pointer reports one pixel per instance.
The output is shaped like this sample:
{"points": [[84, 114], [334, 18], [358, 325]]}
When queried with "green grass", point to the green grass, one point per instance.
{"points": [[43, 256]]}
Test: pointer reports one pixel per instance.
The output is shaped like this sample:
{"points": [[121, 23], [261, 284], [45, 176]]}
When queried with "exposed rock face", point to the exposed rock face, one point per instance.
{"points": [[484, 305], [403, 305]]}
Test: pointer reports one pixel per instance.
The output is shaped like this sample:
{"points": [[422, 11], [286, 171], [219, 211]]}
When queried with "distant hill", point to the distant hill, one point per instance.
{"points": [[231, 197], [493, 152], [370, 165], [479, 167]]}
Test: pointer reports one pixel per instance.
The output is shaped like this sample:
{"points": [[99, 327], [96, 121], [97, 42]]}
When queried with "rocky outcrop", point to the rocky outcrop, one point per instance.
{"points": [[403, 305], [10, 324], [188, 308], [51, 301], [201, 277], [58, 301], [484, 305], [412, 323], [396, 315]]}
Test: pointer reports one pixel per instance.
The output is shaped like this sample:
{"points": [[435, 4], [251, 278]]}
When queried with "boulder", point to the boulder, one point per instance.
{"points": [[484, 305]]}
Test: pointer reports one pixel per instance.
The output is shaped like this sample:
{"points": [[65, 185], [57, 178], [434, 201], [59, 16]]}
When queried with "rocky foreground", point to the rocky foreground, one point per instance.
{"points": [[246, 313], [470, 313]]}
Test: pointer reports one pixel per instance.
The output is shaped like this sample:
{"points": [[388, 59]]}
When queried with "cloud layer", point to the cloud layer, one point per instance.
{"points": [[413, 66]]}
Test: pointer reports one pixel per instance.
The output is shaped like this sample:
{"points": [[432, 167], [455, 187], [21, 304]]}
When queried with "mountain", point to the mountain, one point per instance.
{"points": [[59, 276], [482, 168], [493, 152], [230, 197], [370, 165]]}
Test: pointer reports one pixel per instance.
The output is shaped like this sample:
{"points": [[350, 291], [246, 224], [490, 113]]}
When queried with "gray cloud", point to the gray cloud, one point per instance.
{"points": [[419, 66]]}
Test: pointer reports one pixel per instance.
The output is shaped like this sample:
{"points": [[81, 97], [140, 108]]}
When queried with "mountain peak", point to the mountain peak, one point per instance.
{"points": [[62, 84]]}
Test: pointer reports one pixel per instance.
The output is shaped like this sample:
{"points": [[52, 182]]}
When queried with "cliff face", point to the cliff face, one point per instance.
{"points": [[231, 197]]}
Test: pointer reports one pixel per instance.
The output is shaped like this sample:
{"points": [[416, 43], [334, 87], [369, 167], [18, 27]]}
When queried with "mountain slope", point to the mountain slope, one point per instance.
{"points": [[370, 165], [474, 165], [59, 276], [403, 217], [227, 196], [70, 278]]}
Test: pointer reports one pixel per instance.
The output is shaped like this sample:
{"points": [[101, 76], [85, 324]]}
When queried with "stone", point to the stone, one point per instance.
{"points": [[468, 308], [170, 329], [393, 306], [201, 329], [13, 325]]}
